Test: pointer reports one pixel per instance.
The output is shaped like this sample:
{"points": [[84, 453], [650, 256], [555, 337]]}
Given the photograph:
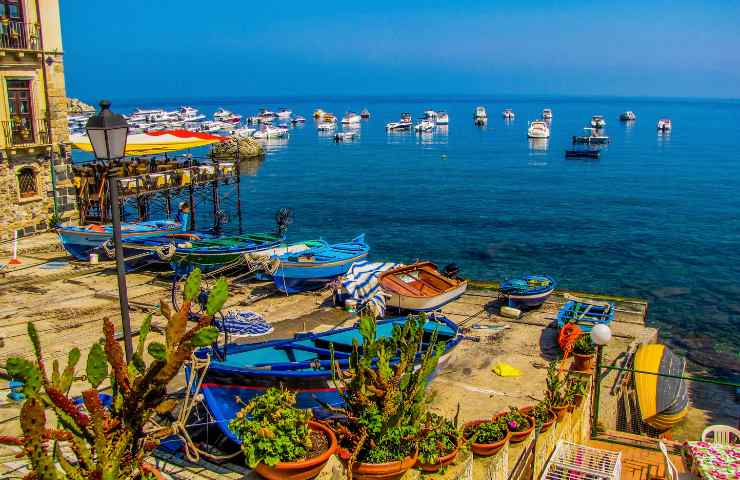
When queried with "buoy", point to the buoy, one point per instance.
{"points": [[14, 260], [510, 312]]}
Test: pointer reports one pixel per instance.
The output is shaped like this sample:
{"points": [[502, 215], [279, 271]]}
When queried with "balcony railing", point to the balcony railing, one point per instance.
{"points": [[19, 35], [26, 132]]}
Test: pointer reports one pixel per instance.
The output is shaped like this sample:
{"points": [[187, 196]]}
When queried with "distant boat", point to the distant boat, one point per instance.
{"points": [[547, 114], [627, 116], [430, 115], [404, 123], [284, 113], [529, 291], [480, 113], [315, 267], [598, 121], [420, 287], [81, 241], [340, 137], [538, 129], [442, 118], [424, 126], [226, 116], [326, 126], [365, 113], [351, 118], [298, 119], [406, 117], [508, 114], [268, 131], [329, 117], [318, 113], [190, 114], [591, 138], [664, 124]]}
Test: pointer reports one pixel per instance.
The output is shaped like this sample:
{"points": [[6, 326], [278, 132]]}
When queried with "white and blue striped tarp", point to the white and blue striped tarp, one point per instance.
{"points": [[361, 284], [243, 324]]}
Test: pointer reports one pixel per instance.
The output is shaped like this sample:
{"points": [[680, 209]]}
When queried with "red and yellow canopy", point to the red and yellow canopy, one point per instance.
{"points": [[155, 142]]}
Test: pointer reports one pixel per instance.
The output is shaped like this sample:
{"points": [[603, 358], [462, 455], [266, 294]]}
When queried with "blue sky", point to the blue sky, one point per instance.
{"points": [[172, 49]]}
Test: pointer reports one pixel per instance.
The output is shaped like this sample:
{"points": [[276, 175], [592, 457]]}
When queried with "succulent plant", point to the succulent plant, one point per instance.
{"points": [[108, 443]]}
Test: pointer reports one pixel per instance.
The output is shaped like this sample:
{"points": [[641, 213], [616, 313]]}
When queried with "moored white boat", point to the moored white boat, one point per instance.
{"points": [[327, 126], [508, 114], [598, 121], [424, 126], [344, 136], [664, 124], [284, 113], [190, 114], [298, 119], [547, 114], [351, 118], [222, 115], [442, 118], [268, 131], [480, 113], [538, 129], [628, 116]]}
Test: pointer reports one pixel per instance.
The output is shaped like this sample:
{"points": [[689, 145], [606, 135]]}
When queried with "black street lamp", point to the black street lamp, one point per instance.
{"points": [[108, 133]]}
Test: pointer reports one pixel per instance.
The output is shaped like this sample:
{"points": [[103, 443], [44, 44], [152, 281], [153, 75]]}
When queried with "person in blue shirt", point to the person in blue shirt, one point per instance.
{"points": [[183, 216]]}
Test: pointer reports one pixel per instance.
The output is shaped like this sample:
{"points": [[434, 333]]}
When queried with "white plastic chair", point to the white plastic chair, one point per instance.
{"points": [[671, 472], [722, 434]]}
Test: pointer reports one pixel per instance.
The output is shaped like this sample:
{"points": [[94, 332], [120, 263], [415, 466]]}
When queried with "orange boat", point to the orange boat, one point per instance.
{"points": [[420, 287]]}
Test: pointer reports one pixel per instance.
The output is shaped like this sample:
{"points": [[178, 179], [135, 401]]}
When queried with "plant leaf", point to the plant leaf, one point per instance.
{"points": [[192, 284], [204, 337], [143, 332], [217, 297], [22, 369], [157, 350], [97, 365]]}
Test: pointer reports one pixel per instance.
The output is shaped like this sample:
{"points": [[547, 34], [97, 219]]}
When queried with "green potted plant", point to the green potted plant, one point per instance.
{"points": [[384, 398], [280, 441], [544, 418], [555, 393], [486, 437], [576, 389], [439, 442], [583, 353], [519, 424]]}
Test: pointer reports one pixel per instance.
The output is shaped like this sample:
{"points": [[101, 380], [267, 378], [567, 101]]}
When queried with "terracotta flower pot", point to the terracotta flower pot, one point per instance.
{"points": [[303, 469], [583, 363], [148, 468], [517, 437], [577, 400], [441, 461], [560, 412], [545, 425], [486, 449], [384, 471]]}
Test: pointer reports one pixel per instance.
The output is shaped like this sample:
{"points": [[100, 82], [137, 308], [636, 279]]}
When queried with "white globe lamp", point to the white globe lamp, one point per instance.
{"points": [[601, 334]]}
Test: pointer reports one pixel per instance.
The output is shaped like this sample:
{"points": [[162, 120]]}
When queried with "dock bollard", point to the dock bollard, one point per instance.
{"points": [[14, 260]]}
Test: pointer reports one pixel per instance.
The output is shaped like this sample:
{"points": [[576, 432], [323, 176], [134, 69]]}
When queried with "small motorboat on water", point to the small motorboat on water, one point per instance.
{"points": [[592, 138], [627, 116], [284, 113], [298, 119], [538, 129], [304, 364], [528, 291], [508, 114], [547, 114], [480, 113], [268, 131], [598, 121], [442, 118], [365, 113], [420, 287], [242, 132], [81, 241], [318, 113], [351, 118], [329, 117], [664, 124], [341, 137], [326, 126], [662, 394], [315, 267], [405, 123], [424, 126], [226, 116]]}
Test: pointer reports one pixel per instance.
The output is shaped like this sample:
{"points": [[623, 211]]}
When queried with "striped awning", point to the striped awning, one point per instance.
{"points": [[155, 142]]}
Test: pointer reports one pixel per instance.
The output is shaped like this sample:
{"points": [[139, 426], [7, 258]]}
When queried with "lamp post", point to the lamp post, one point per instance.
{"points": [[600, 335], [108, 133]]}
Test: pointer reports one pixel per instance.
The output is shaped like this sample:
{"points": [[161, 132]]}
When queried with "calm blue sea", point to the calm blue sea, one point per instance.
{"points": [[657, 216]]}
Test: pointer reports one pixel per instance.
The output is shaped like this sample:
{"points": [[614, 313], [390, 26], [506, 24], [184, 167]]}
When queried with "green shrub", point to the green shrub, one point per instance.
{"points": [[488, 432], [438, 438]]}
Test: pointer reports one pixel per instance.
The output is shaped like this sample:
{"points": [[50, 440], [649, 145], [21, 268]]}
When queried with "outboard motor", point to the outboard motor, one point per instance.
{"points": [[283, 218], [451, 270]]}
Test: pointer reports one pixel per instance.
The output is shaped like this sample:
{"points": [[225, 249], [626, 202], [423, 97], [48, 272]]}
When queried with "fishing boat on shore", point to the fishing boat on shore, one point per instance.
{"points": [[585, 313], [508, 114], [598, 121], [365, 113], [592, 138], [302, 364], [222, 115], [547, 114], [665, 124], [81, 241], [420, 287], [538, 129], [628, 116], [315, 267], [528, 291], [662, 395]]}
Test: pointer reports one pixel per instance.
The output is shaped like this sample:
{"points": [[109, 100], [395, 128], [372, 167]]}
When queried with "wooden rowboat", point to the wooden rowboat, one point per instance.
{"points": [[420, 287]]}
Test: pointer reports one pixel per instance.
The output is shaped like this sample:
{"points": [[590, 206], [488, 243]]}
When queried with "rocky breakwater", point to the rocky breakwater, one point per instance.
{"points": [[78, 107], [237, 147]]}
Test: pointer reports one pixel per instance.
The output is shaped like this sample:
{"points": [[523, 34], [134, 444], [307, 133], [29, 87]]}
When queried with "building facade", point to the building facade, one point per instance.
{"points": [[35, 187]]}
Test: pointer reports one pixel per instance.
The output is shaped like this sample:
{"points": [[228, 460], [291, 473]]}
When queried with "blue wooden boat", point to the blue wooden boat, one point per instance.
{"points": [[585, 314], [300, 364], [528, 291], [315, 267], [81, 241]]}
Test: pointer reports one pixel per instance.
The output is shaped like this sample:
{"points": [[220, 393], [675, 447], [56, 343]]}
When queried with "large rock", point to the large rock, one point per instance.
{"points": [[77, 107], [245, 147]]}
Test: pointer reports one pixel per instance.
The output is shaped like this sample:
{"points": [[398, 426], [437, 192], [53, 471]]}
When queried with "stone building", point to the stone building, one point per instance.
{"points": [[35, 188]]}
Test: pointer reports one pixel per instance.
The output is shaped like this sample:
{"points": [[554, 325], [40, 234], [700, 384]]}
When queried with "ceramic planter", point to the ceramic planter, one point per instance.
{"points": [[517, 437], [583, 363], [560, 412], [441, 461], [486, 449], [303, 469], [383, 471], [545, 425]]}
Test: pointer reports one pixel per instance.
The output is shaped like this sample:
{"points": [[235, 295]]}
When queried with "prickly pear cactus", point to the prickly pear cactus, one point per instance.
{"points": [[109, 444]]}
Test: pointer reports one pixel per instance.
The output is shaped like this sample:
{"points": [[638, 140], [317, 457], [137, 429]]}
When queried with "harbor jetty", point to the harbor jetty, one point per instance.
{"points": [[67, 300]]}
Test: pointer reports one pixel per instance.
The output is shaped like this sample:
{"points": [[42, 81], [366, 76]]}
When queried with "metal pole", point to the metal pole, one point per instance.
{"points": [[121, 269], [239, 193], [192, 203], [597, 391]]}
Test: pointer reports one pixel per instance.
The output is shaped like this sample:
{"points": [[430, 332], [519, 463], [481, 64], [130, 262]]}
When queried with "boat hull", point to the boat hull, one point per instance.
{"points": [[80, 242], [532, 300], [430, 304], [294, 277], [663, 400]]}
